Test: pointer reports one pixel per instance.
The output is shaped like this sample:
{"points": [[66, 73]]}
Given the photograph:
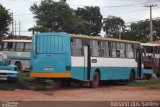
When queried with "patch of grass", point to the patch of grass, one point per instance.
{"points": [[40, 88], [49, 82], [153, 83], [24, 82], [23, 76], [6, 85]]}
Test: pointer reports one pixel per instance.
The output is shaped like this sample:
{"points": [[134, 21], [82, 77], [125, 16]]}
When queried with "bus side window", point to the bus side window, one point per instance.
{"points": [[121, 50], [19, 46], [27, 47], [129, 51], [110, 48], [114, 49], [12, 46], [118, 49], [8, 46], [123, 55], [104, 49], [5, 46], [76, 47], [95, 48]]}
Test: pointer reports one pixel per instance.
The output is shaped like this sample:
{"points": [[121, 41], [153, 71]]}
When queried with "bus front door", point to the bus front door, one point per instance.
{"points": [[87, 62]]}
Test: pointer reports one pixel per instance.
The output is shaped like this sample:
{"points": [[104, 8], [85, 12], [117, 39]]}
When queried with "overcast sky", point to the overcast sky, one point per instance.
{"points": [[129, 10]]}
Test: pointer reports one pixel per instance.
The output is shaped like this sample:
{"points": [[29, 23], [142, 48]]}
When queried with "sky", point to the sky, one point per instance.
{"points": [[128, 10]]}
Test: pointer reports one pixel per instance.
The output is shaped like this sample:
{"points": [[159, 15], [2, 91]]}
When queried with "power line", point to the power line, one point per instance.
{"points": [[126, 5], [141, 20]]}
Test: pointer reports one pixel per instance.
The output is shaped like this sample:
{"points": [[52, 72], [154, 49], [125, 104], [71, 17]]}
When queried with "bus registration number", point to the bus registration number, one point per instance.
{"points": [[48, 68]]}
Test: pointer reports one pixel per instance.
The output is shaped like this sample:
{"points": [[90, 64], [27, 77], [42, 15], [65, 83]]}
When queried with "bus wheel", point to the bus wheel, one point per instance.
{"points": [[96, 80], [19, 67], [66, 82], [132, 76]]}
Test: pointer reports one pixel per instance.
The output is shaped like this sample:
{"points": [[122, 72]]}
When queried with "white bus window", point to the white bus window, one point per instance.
{"points": [[76, 46], [129, 51], [27, 47], [11, 46], [5, 46], [104, 49], [121, 50], [95, 48], [114, 49], [8, 46], [19, 46]]}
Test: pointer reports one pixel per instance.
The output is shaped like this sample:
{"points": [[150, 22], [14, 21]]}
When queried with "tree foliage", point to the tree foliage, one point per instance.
{"points": [[58, 17], [142, 29], [93, 16], [139, 31], [112, 26], [5, 20]]}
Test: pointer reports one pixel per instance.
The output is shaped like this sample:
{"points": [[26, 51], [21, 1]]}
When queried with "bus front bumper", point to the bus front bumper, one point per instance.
{"points": [[50, 75]]}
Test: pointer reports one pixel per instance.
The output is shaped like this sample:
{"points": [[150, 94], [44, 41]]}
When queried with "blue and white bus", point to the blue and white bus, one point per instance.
{"points": [[18, 51], [85, 58]]}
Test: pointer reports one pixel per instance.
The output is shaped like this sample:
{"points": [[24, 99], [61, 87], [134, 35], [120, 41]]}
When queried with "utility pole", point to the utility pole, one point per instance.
{"points": [[15, 28], [19, 28], [12, 24], [151, 24]]}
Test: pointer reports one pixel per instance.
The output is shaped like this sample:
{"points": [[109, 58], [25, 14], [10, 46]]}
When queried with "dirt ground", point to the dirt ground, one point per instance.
{"points": [[105, 93]]}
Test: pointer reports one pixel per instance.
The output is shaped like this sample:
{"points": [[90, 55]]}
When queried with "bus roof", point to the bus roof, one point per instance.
{"points": [[16, 40], [149, 44], [102, 38]]}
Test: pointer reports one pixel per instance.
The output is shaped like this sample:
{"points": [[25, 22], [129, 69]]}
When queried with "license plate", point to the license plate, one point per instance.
{"points": [[48, 68]]}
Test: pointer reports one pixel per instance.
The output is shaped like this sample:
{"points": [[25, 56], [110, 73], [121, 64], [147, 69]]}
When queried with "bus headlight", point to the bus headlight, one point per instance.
{"points": [[15, 68]]}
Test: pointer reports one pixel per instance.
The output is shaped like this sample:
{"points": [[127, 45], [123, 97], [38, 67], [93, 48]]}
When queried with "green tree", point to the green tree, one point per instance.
{"points": [[142, 30], [93, 16], [113, 25], [58, 17], [5, 20]]}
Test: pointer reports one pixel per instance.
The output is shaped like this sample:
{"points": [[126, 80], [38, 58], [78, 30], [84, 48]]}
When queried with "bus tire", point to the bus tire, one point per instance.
{"points": [[19, 66], [132, 76], [96, 80]]}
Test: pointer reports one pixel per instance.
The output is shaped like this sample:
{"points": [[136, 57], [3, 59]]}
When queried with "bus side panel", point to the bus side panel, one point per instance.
{"points": [[113, 68], [78, 70], [112, 73], [110, 68], [78, 73], [107, 73]]}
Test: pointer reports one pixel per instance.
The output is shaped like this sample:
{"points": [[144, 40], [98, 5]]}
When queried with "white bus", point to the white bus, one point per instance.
{"points": [[18, 51]]}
